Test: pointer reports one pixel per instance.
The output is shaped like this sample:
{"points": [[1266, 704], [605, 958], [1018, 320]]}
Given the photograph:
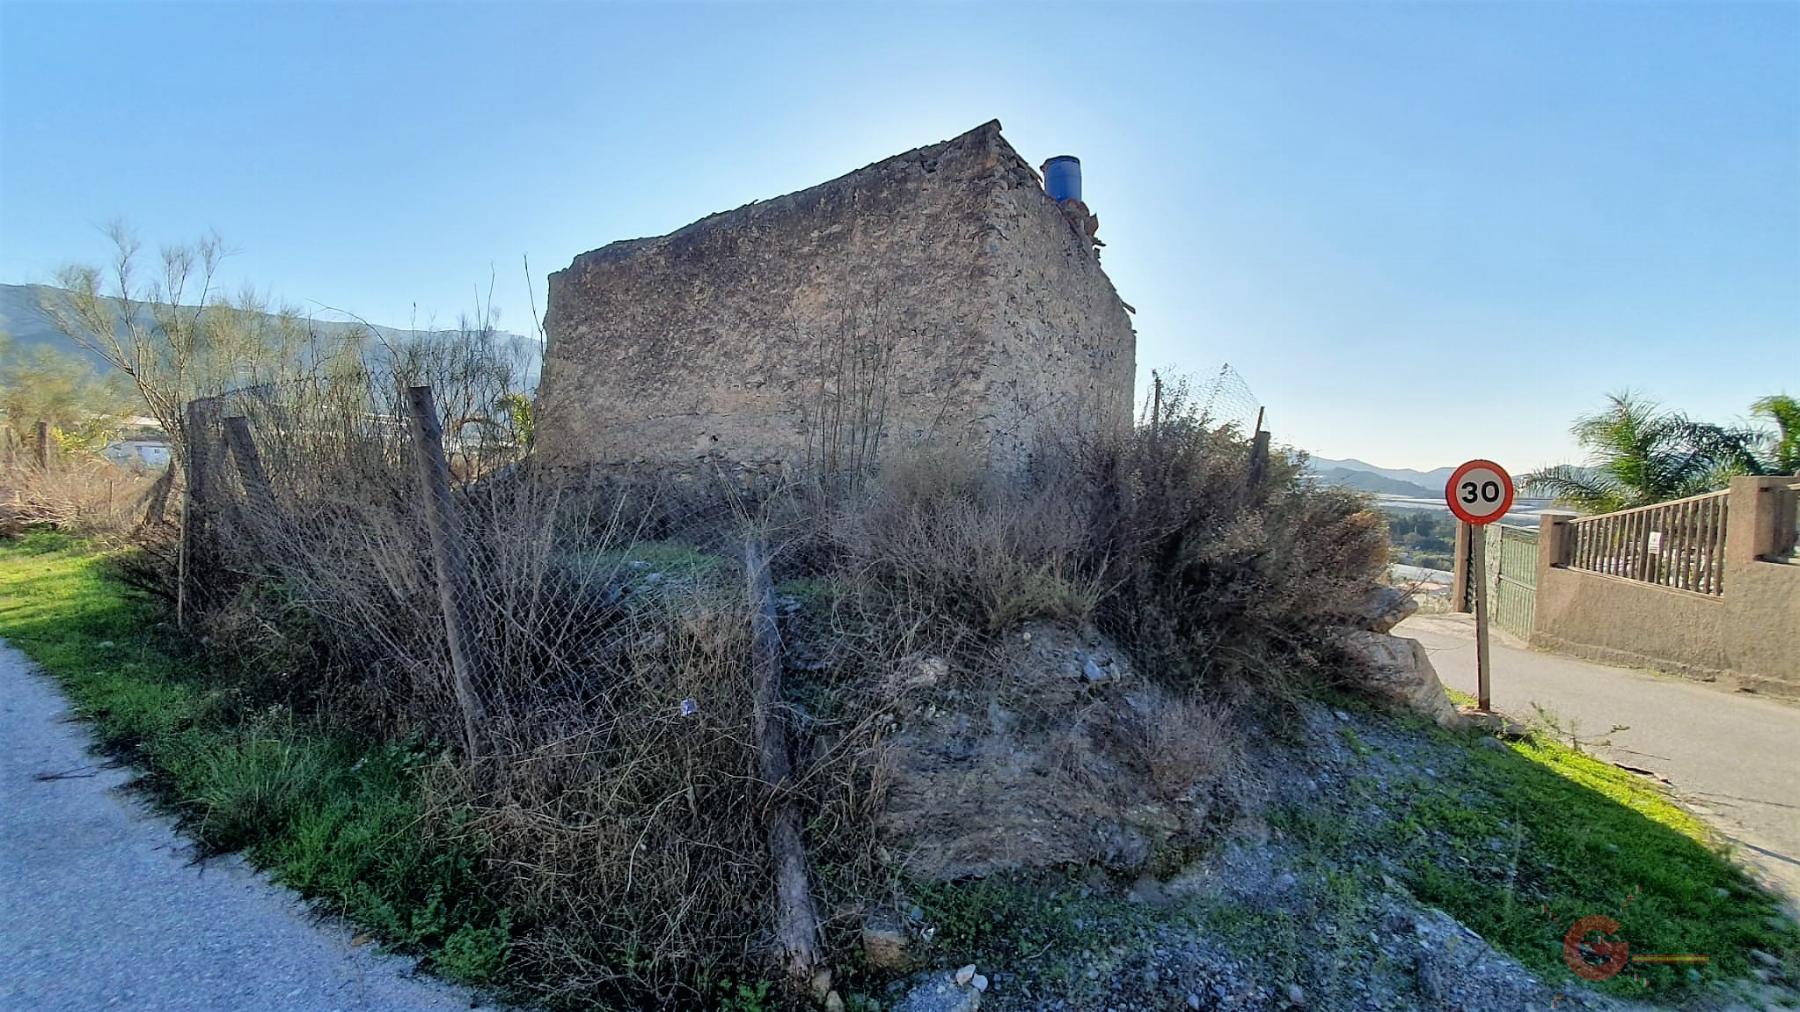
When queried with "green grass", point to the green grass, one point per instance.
{"points": [[1519, 842], [1590, 838], [339, 818]]}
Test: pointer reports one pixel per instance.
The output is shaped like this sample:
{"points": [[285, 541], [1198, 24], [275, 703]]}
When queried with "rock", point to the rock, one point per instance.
{"points": [[834, 1002], [966, 974], [979, 982], [1296, 995], [1494, 745], [1432, 976], [1094, 671], [1381, 608], [1193, 1001], [1341, 715], [939, 992], [1765, 959], [1397, 671], [1492, 723], [1147, 890], [884, 945]]}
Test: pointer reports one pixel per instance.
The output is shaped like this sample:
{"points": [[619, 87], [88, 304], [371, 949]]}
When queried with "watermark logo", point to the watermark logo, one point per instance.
{"points": [[1594, 951], [1592, 958]]}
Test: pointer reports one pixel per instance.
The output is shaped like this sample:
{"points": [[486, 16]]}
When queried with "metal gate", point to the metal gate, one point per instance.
{"points": [[1512, 556]]}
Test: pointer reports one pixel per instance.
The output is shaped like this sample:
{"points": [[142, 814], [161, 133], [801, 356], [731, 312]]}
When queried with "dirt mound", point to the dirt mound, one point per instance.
{"points": [[1062, 754]]}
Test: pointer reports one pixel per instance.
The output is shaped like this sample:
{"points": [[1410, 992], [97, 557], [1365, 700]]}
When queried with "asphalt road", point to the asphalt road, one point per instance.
{"points": [[102, 905], [1733, 757]]}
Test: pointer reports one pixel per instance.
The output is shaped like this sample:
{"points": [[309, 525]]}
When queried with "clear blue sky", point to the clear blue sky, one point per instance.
{"points": [[1421, 232]]}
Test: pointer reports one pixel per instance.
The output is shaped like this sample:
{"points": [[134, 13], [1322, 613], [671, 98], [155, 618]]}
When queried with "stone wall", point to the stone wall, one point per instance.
{"points": [[938, 296]]}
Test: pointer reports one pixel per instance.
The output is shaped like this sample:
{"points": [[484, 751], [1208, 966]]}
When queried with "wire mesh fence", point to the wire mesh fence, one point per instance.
{"points": [[629, 734]]}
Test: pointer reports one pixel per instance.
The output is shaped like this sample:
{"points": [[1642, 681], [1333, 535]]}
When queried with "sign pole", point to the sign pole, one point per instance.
{"points": [[1479, 493], [1478, 545]]}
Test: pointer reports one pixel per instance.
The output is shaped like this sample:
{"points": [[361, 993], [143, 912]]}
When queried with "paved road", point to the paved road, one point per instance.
{"points": [[1734, 757], [102, 906]]}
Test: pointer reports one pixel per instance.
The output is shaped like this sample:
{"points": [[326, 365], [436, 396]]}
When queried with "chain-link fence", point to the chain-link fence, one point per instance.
{"points": [[648, 686]]}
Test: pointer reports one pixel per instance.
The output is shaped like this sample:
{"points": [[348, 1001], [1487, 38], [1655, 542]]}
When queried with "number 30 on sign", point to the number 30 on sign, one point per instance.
{"points": [[1479, 492]]}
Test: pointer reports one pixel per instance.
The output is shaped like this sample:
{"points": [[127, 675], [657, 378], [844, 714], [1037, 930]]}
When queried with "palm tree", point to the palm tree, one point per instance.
{"points": [[1640, 454], [1784, 444]]}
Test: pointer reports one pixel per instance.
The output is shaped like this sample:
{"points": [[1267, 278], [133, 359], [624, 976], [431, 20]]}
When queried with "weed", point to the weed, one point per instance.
{"points": [[475, 955]]}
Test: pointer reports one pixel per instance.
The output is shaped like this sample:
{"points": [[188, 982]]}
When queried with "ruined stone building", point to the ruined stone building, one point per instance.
{"points": [[938, 296]]}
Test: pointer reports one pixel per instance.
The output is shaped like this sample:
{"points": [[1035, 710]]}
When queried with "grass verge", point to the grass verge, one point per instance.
{"points": [[1520, 839], [339, 818]]}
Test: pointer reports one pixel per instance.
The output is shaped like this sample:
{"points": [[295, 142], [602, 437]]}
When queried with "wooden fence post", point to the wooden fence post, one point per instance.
{"points": [[195, 504], [1459, 577], [1259, 453], [157, 500], [796, 925], [447, 556], [1155, 407], [249, 465], [43, 445]]}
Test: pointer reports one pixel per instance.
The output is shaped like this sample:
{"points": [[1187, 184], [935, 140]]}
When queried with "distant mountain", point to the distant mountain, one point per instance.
{"points": [[1432, 481], [22, 316], [1369, 481]]}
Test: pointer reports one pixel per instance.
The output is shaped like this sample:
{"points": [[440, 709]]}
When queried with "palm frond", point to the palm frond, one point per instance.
{"points": [[1578, 488]]}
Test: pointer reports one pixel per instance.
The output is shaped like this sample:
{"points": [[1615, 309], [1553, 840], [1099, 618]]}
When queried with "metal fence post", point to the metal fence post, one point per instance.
{"points": [[447, 556], [1478, 542]]}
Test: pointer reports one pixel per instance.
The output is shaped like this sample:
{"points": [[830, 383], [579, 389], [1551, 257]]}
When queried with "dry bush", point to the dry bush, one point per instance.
{"points": [[936, 537], [1185, 744], [85, 497], [626, 838], [1163, 539]]}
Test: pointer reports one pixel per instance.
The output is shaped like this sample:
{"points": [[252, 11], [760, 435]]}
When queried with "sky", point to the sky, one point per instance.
{"points": [[1420, 232]]}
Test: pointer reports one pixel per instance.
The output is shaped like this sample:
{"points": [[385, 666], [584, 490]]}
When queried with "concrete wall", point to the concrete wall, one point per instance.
{"points": [[1750, 633], [937, 296]]}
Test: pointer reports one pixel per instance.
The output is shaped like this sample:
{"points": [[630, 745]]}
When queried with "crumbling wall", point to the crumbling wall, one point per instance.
{"points": [[937, 296]]}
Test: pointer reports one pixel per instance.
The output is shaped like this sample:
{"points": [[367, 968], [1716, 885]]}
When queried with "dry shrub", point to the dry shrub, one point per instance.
{"points": [[1185, 744], [1164, 539], [626, 839], [1216, 578], [625, 836], [937, 538], [93, 497]]}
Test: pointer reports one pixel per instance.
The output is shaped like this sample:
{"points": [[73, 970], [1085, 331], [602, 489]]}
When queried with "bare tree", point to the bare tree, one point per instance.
{"points": [[171, 331]]}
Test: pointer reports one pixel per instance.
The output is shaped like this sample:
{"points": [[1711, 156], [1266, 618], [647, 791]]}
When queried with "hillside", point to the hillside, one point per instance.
{"points": [[1432, 481], [1369, 481], [22, 317]]}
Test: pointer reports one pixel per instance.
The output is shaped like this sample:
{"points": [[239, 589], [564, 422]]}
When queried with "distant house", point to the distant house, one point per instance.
{"points": [[141, 443]]}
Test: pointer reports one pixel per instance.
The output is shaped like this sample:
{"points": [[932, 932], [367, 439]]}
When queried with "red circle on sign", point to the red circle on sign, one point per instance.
{"points": [[1462, 509]]}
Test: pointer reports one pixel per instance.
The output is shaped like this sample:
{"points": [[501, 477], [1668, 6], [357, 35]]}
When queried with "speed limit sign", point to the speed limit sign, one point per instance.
{"points": [[1479, 492]]}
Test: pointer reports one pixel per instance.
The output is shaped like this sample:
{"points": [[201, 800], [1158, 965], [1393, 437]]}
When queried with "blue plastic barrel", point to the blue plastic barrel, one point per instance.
{"points": [[1062, 178]]}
